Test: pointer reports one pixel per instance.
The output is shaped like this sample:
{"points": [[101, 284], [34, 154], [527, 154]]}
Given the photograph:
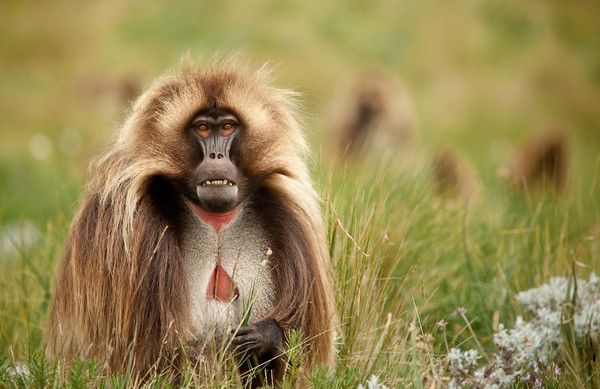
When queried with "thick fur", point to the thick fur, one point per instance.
{"points": [[119, 295]]}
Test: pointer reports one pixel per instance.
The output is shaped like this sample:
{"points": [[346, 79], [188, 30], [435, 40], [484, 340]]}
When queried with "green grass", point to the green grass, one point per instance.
{"points": [[482, 77]]}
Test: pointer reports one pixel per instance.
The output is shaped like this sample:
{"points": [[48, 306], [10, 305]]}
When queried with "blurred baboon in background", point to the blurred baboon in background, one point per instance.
{"points": [[541, 162], [454, 177], [113, 91], [371, 111]]}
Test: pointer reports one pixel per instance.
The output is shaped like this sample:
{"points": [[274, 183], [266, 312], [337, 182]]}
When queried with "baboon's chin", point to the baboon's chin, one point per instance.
{"points": [[217, 198]]}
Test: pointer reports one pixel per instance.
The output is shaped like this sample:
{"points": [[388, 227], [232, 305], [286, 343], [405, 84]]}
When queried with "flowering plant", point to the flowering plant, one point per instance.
{"points": [[561, 308]]}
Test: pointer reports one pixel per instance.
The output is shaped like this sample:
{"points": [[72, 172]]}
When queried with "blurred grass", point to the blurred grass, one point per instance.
{"points": [[483, 76]]}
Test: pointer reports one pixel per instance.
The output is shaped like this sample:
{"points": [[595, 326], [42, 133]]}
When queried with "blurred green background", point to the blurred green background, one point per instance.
{"points": [[482, 75]]}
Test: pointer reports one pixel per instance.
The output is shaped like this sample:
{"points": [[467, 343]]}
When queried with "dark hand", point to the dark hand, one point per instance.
{"points": [[263, 339]]}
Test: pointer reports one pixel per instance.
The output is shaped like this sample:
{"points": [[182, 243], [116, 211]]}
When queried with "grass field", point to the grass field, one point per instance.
{"points": [[482, 76]]}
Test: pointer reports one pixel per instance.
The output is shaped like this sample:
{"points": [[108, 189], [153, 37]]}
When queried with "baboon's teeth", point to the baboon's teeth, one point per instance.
{"points": [[218, 182]]}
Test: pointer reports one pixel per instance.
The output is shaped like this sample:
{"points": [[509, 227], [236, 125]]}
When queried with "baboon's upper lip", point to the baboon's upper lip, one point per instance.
{"points": [[218, 181]]}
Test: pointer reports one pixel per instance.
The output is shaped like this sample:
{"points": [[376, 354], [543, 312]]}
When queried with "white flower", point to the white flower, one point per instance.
{"points": [[373, 383], [531, 344], [462, 363]]}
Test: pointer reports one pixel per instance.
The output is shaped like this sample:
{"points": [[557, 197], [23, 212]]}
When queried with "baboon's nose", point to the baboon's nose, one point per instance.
{"points": [[216, 155]]}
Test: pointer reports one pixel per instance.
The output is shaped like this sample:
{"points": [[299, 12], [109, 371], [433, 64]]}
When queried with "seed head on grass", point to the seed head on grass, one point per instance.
{"points": [[373, 383]]}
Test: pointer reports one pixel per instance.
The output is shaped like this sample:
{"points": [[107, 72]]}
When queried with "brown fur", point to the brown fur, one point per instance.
{"points": [[454, 177], [371, 114], [445, 173], [541, 162], [118, 293]]}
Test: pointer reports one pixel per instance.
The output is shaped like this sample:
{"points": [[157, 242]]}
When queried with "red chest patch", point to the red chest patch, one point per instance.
{"points": [[215, 220], [220, 286]]}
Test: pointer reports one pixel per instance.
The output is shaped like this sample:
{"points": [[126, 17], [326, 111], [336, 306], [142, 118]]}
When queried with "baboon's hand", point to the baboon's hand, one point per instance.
{"points": [[263, 339]]}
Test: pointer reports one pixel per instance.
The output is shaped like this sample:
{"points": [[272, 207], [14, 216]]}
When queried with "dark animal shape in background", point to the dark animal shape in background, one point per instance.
{"points": [[453, 177], [541, 162], [373, 112], [114, 93]]}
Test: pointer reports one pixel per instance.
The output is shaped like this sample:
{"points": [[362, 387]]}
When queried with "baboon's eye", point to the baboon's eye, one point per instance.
{"points": [[203, 130], [227, 129]]}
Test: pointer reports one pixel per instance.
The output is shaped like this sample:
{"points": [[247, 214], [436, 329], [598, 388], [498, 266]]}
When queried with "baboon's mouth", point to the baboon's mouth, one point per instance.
{"points": [[217, 195], [218, 182]]}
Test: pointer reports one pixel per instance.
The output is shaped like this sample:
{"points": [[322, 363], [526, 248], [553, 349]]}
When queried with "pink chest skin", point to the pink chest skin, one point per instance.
{"points": [[220, 284], [226, 269]]}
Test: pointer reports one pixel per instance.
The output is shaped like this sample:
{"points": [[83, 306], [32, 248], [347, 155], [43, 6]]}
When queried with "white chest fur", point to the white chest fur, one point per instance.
{"points": [[241, 249]]}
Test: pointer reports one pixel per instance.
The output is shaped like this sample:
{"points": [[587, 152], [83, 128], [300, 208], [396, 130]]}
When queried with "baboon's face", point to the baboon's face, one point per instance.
{"points": [[215, 183]]}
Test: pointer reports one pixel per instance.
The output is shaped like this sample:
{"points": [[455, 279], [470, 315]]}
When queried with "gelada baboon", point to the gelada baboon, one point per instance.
{"points": [[541, 162], [371, 111], [203, 206], [454, 177]]}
